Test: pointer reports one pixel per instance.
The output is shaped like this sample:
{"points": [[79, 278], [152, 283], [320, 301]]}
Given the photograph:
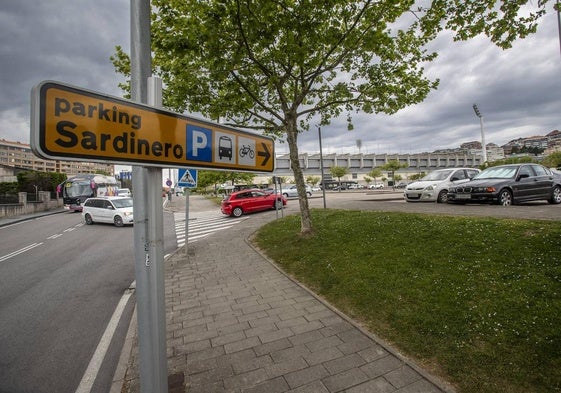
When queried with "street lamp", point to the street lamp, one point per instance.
{"points": [[484, 147], [558, 6], [321, 166]]}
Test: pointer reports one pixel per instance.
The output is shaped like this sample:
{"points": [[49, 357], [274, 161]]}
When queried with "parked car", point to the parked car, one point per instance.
{"points": [[249, 201], [112, 210], [124, 192], [376, 186], [402, 184], [434, 186], [290, 191], [509, 184]]}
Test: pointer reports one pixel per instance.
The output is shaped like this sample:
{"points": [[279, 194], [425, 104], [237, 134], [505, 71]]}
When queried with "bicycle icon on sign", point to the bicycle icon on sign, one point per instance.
{"points": [[246, 150]]}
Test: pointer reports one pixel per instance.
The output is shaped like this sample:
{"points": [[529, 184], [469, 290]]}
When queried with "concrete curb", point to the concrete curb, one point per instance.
{"points": [[444, 386]]}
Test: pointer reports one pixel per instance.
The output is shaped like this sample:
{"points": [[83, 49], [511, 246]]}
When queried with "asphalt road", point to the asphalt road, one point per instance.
{"points": [[60, 282]]}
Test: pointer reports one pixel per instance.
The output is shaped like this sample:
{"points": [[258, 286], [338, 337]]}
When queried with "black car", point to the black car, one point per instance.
{"points": [[509, 184]]}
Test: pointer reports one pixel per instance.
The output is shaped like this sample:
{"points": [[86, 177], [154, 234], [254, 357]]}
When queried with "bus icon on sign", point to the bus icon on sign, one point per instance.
{"points": [[225, 147]]}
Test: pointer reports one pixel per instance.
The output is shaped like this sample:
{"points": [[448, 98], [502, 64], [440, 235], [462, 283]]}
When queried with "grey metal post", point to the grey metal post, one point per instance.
{"points": [[148, 227], [187, 192]]}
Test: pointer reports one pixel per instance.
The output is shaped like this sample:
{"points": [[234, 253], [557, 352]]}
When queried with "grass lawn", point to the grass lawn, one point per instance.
{"points": [[477, 301]]}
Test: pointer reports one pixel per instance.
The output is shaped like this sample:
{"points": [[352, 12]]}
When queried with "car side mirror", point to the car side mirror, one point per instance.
{"points": [[455, 178], [522, 176]]}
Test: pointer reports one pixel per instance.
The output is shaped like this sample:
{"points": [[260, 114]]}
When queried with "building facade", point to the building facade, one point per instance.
{"points": [[19, 155], [359, 165]]}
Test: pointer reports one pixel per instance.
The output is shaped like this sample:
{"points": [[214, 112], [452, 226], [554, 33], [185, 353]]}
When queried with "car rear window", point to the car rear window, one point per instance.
{"points": [[125, 202]]}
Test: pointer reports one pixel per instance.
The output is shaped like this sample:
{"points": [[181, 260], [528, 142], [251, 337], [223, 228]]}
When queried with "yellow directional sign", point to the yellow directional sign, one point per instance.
{"points": [[75, 124]]}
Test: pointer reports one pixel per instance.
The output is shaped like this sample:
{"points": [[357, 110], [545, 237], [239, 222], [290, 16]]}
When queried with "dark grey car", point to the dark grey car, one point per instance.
{"points": [[509, 184]]}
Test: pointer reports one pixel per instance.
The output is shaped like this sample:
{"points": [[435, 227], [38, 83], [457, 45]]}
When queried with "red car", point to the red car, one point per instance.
{"points": [[249, 201]]}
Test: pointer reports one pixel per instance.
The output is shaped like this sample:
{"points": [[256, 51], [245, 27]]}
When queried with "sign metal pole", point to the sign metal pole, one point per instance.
{"points": [[187, 192], [148, 228]]}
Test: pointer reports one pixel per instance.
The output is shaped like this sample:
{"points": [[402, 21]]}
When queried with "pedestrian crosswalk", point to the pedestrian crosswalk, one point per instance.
{"points": [[201, 225]]}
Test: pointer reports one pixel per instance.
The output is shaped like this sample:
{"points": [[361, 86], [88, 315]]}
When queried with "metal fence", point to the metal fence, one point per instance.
{"points": [[8, 199]]}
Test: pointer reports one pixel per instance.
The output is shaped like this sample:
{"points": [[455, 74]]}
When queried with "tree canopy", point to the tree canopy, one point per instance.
{"points": [[278, 66]]}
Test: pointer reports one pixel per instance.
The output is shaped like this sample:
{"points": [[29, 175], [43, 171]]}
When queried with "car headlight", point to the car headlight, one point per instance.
{"points": [[429, 188], [127, 214]]}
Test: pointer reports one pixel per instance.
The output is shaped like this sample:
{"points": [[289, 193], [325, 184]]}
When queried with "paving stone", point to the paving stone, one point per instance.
{"points": [[305, 376], [293, 352], [345, 363], [324, 343], [240, 345], [277, 385], [345, 380], [314, 387], [246, 380], [277, 369], [274, 346], [421, 386], [210, 376], [323, 355], [227, 338], [378, 385], [402, 377], [381, 366], [273, 336], [372, 353], [306, 337]]}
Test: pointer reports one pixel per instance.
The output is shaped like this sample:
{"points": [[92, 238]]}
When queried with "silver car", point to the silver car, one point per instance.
{"points": [[290, 191], [434, 186]]}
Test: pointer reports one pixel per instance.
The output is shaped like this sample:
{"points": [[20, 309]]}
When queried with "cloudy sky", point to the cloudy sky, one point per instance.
{"points": [[518, 91]]}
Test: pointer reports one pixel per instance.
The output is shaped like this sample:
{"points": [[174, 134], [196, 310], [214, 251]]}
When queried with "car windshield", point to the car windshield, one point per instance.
{"points": [[437, 175], [124, 202], [507, 172]]}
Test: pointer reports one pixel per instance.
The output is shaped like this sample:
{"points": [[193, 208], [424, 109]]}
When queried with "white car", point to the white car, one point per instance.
{"points": [[376, 186], [290, 191], [112, 210], [434, 186], [124, 192]]}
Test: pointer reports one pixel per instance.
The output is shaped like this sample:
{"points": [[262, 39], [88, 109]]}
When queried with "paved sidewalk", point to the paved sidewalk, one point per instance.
{"points": [[237, 324]]}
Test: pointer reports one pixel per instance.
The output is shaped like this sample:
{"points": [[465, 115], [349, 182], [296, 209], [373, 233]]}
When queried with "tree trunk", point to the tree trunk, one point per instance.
{"points": [[305, 218]]}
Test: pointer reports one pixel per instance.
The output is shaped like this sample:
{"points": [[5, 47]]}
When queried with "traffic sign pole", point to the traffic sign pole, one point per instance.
{"points": [[187, 192], [187, 178], [148, 226]]}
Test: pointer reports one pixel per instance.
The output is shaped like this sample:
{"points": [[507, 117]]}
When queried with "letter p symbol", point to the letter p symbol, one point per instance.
{"points": [[199, 143]]}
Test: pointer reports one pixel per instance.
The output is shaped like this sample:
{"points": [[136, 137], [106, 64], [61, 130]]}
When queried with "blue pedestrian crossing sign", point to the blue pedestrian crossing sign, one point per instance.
{"points": [[187, 178]]}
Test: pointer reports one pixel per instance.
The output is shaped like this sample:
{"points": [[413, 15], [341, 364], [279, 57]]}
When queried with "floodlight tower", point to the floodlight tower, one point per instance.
{"points": [[483, 145]]}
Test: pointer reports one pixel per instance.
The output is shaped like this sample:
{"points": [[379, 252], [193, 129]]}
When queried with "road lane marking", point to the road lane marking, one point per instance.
{"points": [[20, 251], [96, 361]]}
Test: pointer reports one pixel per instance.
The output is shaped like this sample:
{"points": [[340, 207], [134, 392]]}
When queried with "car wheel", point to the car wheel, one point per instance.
{"points": [[88, 219], [118, 221], [285, 195], [555, 195], [237, 212], [505, 198], [442, 196], [309, 194]]}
